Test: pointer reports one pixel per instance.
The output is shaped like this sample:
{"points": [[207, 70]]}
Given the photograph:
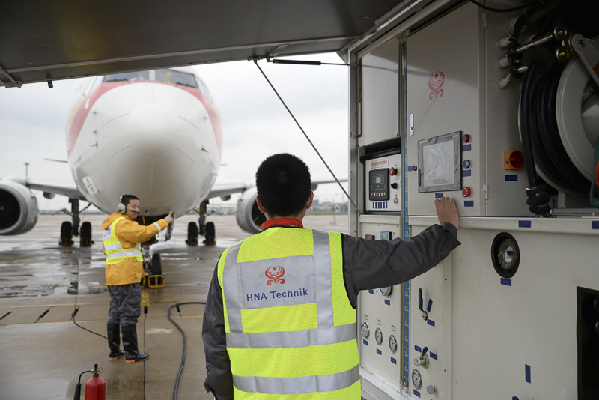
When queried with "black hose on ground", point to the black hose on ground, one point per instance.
{"points": [[184, 343]]}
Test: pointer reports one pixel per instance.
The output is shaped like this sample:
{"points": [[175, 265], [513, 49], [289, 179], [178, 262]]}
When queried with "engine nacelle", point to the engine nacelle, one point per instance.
{"points": [[18, 208], [249, 216]]}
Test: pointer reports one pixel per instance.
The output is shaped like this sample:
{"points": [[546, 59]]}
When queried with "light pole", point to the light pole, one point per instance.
{"points": [[27, 170]]}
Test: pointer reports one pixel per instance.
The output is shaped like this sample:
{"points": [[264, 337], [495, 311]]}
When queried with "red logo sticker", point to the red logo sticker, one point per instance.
{"points": [[435, 83], [274, 275]]}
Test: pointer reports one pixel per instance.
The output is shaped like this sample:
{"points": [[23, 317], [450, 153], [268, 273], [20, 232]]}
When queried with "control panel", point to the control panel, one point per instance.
{"points": [[383, 183], [380, 313]]}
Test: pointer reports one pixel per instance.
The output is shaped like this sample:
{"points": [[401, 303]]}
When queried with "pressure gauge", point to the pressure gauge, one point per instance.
{"points": [[365, 330], [386, 291], [416, 379], [393, 344], [378, 336]]}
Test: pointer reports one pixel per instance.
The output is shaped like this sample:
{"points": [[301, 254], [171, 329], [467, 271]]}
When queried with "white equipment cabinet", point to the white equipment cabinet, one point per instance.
{"points": [[513, 312]]}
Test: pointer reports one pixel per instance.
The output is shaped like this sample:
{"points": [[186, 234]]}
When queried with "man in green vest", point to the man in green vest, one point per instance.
{"points": [[124, 268], [280, 317]]}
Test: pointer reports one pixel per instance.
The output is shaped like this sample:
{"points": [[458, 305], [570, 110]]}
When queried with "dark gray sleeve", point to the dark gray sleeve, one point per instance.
{"points": [[219, 380], [373, 264]]}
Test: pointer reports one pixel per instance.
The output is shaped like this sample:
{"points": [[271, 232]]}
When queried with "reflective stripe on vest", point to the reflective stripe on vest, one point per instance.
{"points": [[289, 326], [114, 250]]}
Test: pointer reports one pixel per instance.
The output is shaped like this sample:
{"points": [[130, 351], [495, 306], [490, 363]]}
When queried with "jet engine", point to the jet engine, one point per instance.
{"points": [[249, 216], [18, 208]]}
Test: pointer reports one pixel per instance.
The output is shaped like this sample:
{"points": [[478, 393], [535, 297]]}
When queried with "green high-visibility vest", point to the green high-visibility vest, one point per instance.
{"points": [[290, 328], [114, 250]]}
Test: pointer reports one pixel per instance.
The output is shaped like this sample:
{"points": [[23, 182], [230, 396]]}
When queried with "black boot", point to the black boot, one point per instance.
{"points": [[114, 341], [130, 345]]}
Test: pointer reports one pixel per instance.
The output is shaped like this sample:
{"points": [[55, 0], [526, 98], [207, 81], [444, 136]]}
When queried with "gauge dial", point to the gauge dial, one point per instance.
{"points": [[365, 330], [417, 379], [393, 344], [378, 335]]}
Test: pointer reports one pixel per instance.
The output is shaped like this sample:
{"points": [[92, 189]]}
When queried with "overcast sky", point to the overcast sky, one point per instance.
{"points": [[255, 123]]}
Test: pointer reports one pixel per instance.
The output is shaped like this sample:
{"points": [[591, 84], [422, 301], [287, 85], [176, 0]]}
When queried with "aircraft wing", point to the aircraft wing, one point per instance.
{"points": [[316, 183], [227, 189], [69, 191]]}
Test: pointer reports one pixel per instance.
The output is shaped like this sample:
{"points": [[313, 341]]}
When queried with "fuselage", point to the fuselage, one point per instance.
{"points": [[154, 134]]}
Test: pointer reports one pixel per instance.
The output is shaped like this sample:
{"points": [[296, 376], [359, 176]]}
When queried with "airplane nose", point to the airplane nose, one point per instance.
{"points": [[152, 125]]}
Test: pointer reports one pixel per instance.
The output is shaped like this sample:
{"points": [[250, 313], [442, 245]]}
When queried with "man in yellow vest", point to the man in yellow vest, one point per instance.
{"points": [[124, 269], [280, 317]]}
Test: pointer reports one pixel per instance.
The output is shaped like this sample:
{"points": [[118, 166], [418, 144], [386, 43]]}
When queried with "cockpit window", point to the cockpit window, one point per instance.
{"points": [[176, 78], [204, 90], [128, 76]]}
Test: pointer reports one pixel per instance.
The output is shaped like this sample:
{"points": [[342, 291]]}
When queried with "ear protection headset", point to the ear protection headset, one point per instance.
{"points": [[122, 207]]}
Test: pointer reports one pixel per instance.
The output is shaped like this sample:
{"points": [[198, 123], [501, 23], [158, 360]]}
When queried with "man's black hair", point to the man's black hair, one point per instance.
{"points": [[284, 184], [126, 198]]}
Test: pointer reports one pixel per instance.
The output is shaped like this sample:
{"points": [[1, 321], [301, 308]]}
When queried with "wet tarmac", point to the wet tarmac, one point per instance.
{"points": [[42, 351]]}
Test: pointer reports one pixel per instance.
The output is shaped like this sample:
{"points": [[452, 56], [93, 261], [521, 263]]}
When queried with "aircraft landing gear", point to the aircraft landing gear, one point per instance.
{"points": [[70, 229], [85, 236], [192, 234], [205, 228], [66, 234], [210, 234], [152, 277], [203, 211]]}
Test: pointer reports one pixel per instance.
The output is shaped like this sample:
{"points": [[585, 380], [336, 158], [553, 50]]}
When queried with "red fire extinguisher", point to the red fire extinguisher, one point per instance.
{"points": [[95, 388]]}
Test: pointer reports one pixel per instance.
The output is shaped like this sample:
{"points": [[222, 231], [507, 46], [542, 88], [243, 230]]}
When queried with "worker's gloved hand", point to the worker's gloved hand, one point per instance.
{"points": [[447, 211], [169, 218]]}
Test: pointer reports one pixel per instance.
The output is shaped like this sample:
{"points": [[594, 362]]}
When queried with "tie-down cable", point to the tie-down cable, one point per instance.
{"points": [[302, 129]]}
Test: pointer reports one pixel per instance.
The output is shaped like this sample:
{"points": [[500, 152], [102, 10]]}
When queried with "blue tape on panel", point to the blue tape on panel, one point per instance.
{"points": [[371, 291], [433, 355], [388, 302], [468, 203], [365, 342], [417, 348], [411, 168], [393, 360], [430, 305], [467, 172], [466, 147], [506, 281], [524, 223], [595, 224], [511, 178], [527, 369], [416, 392], [438, 195], [430, 322], [380, 353]]}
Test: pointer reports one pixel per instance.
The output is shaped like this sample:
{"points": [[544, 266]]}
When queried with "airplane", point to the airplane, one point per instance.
{"points": [[156, 134]]}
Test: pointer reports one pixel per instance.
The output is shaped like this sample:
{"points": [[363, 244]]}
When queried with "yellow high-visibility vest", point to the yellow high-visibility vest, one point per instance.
{"points": [[114, 250], [290, 328]]}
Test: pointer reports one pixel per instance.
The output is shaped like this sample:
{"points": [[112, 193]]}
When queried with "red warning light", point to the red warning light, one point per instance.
{"points": [[465, 138], [514, 160]]}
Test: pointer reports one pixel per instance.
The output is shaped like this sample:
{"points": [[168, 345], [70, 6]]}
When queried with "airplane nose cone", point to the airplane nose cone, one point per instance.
{"points": [[152, 125]]}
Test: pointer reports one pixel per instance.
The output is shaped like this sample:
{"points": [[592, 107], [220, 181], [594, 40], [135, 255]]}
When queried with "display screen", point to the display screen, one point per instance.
{"points": [[439, 163], [378, 184]]}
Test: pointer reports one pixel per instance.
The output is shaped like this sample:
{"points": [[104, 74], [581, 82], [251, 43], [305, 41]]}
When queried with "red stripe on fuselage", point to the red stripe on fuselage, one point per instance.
{"points": [[82, 112]]}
